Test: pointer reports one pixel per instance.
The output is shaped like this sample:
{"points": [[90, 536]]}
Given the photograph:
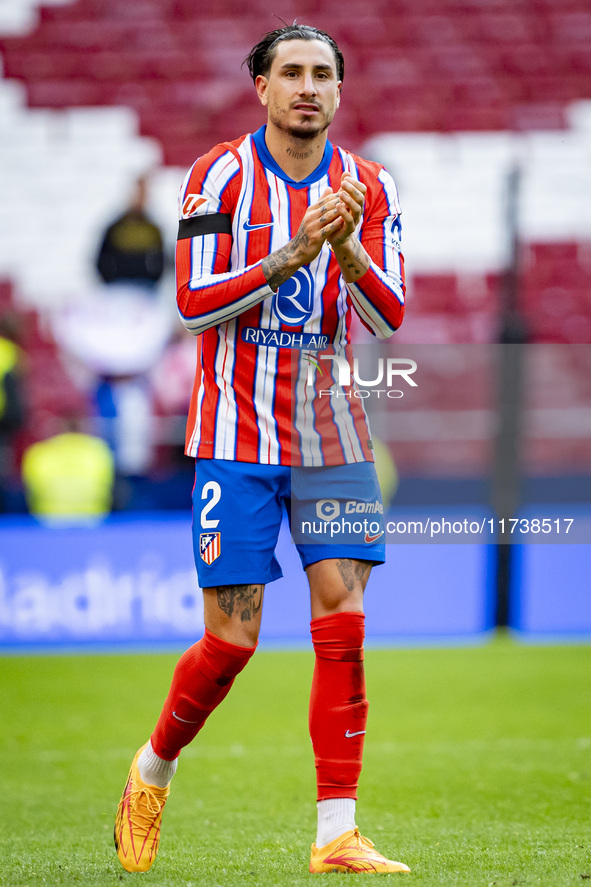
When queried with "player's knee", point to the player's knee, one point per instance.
{"points": [[233, 613], [245, 635], [234, 632], [330, 601], [336, 600]]}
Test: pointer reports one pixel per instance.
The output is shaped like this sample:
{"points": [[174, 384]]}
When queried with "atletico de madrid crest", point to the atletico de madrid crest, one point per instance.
{"points": [[210, 546]]}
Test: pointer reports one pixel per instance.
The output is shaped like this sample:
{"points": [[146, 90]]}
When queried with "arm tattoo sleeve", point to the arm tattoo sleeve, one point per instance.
{"points": [[282, 264]]}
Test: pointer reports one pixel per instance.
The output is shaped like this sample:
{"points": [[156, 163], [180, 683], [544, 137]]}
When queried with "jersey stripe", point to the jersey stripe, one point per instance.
{"points": [[252, 401]]}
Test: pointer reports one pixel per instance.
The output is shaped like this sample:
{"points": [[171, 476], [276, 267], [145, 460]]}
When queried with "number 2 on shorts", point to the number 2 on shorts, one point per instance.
{"points": [[214, 488]]}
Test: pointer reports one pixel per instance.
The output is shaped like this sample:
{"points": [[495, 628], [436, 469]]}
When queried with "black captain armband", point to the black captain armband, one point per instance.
{"points": [[198, 226]]}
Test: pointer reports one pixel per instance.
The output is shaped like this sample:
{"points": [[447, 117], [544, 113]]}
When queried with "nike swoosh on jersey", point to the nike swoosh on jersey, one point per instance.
{"points": [[248, 227], [349, 735], [369, 539]]}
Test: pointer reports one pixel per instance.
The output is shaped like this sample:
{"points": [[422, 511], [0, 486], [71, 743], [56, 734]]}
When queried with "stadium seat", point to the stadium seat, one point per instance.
{"points": [[422, 44]]}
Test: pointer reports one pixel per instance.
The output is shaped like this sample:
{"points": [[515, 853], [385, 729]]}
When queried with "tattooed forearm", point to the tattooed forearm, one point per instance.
{"points": [[352, 258], [274, 270], [244, 600], [353, 572], [282, 264], [321, 220]]}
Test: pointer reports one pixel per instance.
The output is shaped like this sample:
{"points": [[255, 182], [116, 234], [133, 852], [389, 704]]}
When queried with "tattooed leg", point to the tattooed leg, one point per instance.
{"points": [[362, 571], [353, 572], [234, 612], [244, 600], [337, 585], [345, 568]]}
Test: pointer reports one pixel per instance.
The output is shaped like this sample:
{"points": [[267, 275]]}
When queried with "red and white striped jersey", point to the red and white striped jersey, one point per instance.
{"points": [[255, 398]]}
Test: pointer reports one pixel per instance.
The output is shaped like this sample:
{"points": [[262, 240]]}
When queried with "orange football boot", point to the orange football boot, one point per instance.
{"points": [[137, 825], [354, 854]]}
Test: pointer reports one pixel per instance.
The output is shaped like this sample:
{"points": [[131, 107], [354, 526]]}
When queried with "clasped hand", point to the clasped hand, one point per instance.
{"points": [[334, 218]]}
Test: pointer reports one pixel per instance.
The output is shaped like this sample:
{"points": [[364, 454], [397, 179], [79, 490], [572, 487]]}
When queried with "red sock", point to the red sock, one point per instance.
{"points": [[202, 679], [338, 707]]}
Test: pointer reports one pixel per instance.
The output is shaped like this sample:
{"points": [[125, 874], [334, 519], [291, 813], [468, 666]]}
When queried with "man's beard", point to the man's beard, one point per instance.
{"points": [[303, 134], [306, 135]]}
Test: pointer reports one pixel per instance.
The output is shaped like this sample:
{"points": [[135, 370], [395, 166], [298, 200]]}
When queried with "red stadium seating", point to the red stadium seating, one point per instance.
{"points": [[554, 298], [424, 65]]}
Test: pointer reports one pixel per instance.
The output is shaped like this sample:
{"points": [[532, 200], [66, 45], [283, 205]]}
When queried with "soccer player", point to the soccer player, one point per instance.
{"points": [[281, 237]]}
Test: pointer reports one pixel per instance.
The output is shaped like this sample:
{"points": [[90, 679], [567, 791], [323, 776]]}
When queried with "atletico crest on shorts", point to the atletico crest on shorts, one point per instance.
{"points": [[210, 546]]}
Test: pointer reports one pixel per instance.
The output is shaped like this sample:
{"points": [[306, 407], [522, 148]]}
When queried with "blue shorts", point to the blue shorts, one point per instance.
{"points": [[238, 509]]}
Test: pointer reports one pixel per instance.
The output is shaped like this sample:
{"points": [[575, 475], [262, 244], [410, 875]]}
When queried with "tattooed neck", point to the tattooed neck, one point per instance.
{"points": [[298, 155]]}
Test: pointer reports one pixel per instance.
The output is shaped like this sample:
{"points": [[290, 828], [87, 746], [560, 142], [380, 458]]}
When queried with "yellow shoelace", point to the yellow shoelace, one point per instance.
{"points": [[148, 811]]}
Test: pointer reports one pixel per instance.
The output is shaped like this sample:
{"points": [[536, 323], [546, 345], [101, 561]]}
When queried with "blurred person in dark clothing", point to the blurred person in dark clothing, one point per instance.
{"points": [[132, 249]]}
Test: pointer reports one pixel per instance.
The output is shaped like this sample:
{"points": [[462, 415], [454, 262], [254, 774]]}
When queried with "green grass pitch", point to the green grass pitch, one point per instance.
{"points": [[477, 769]]}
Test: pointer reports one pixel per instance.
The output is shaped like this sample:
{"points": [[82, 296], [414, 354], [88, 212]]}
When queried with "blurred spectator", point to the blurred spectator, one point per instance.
{"points": [[132, 250], [69, 477], [12, 409], [126, 405], [172, 376]]}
